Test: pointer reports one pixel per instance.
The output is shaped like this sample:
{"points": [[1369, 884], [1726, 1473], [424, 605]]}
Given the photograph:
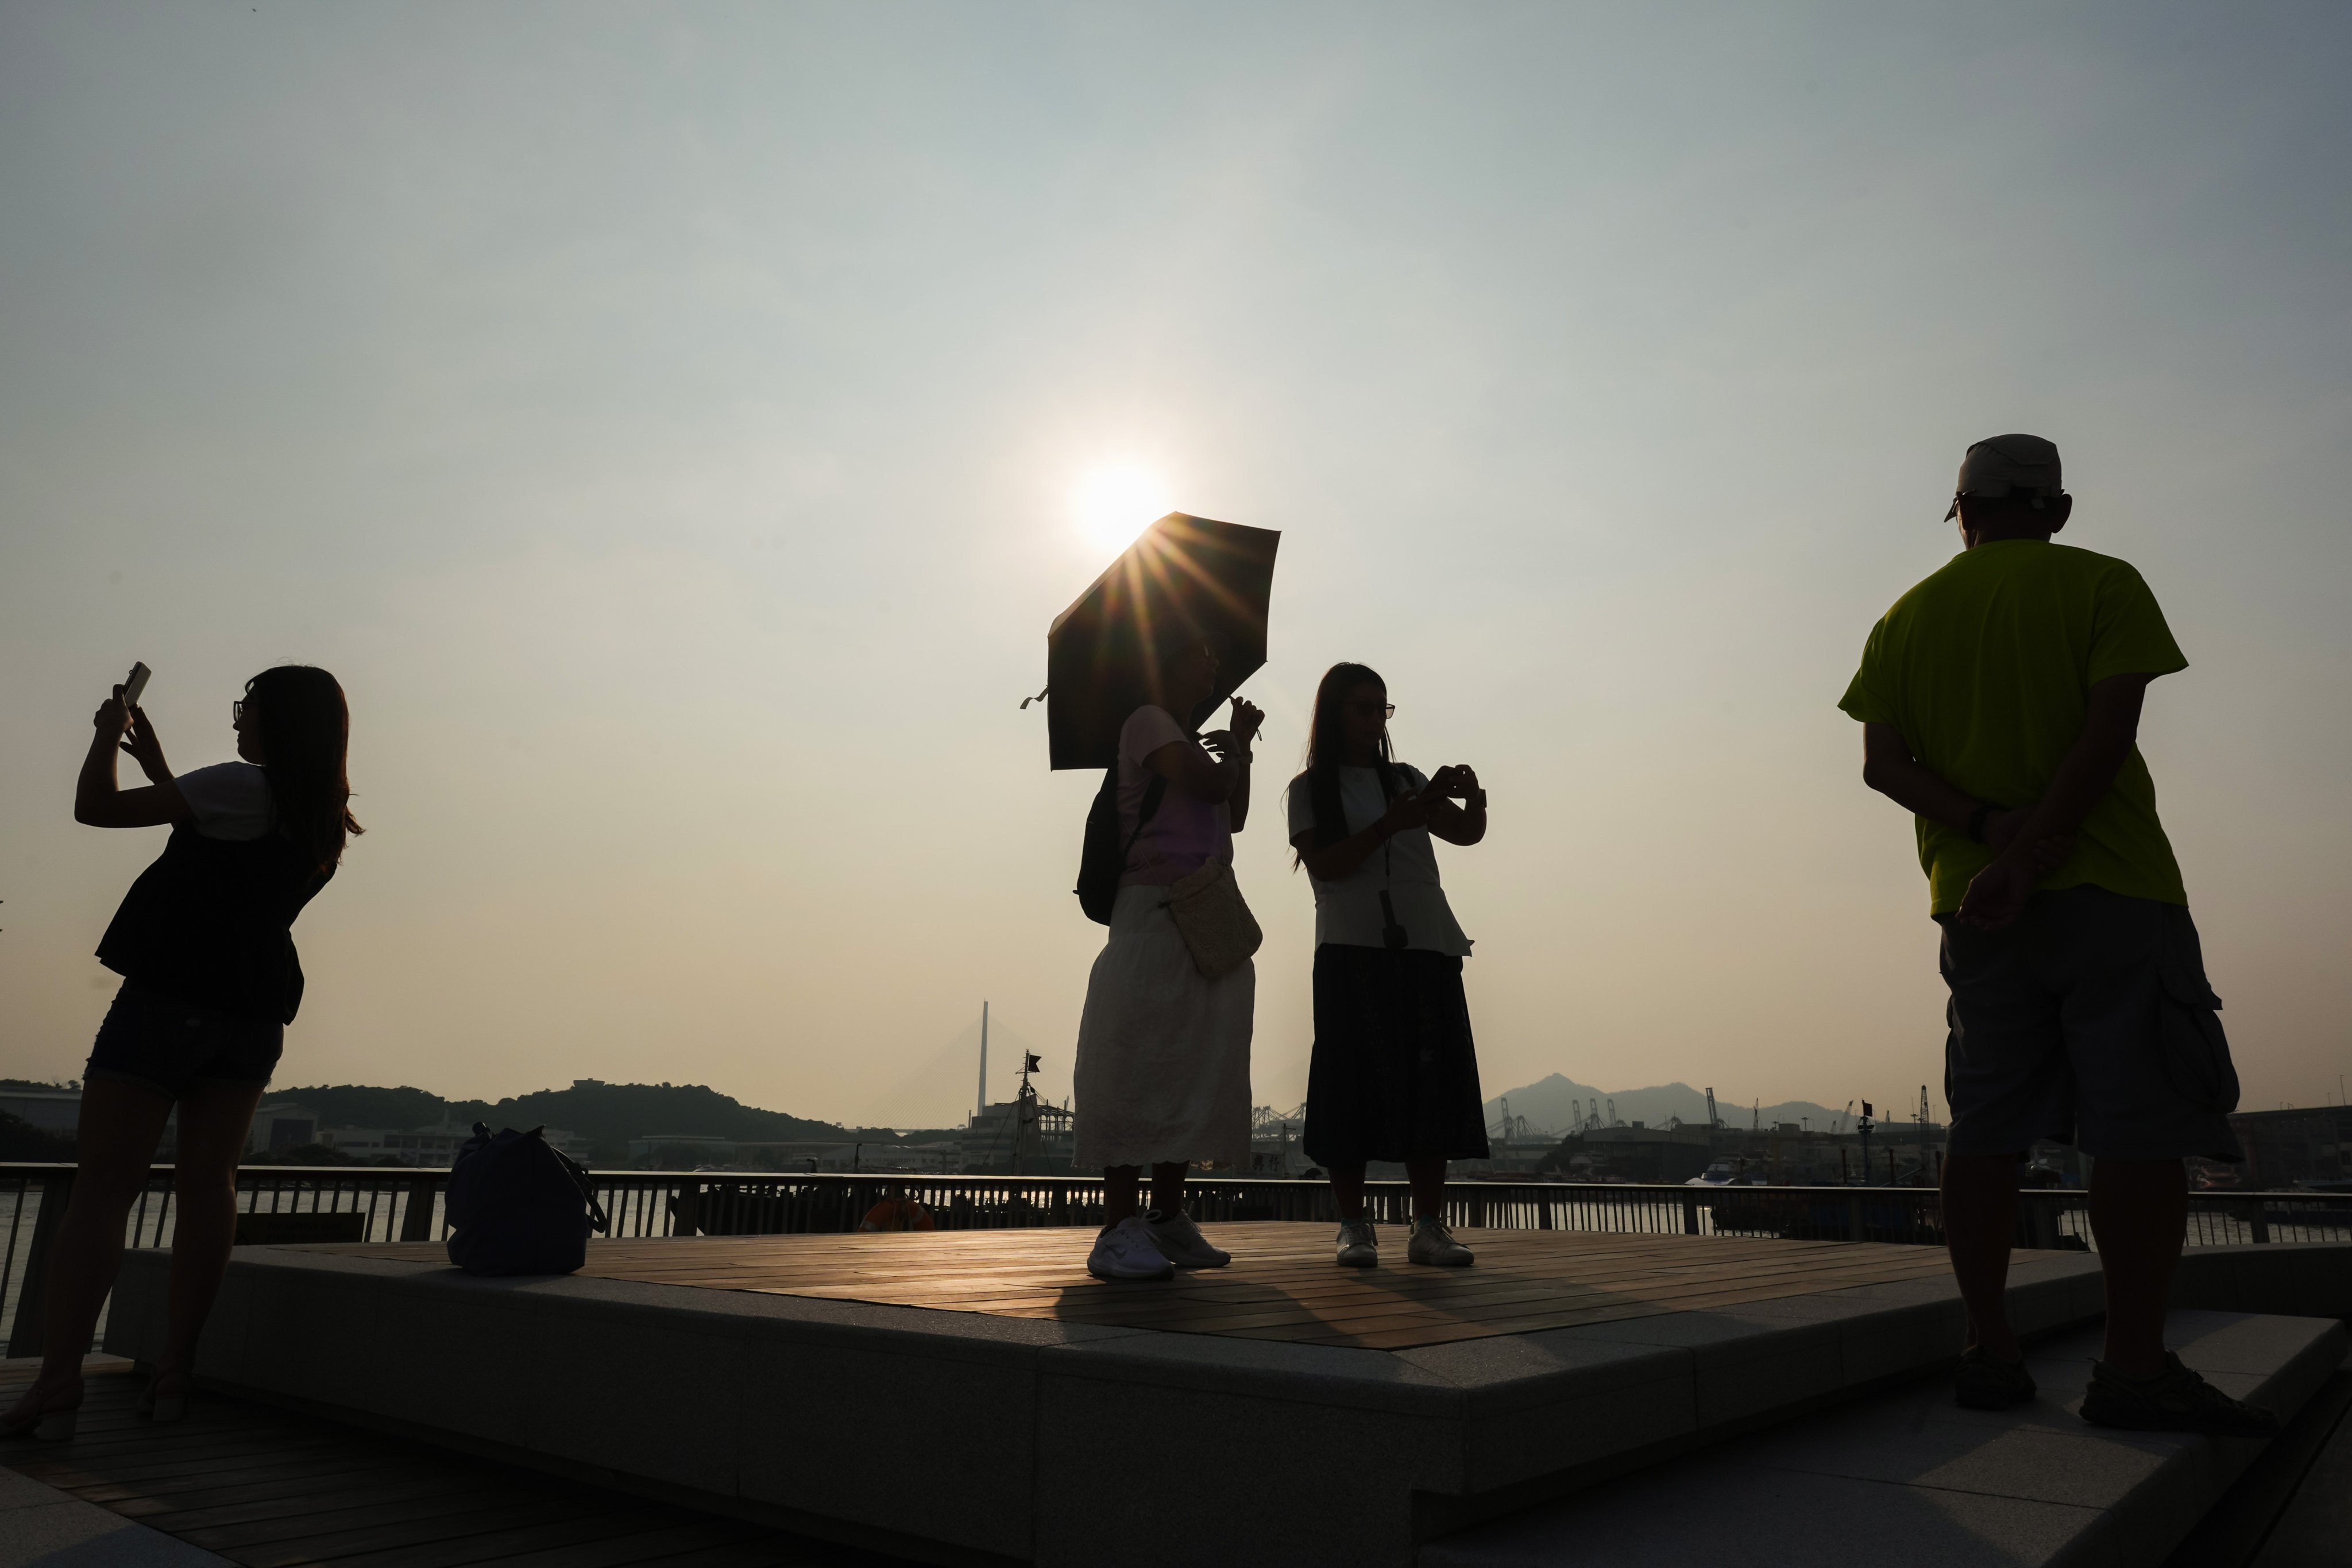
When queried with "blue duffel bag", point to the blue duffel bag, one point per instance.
{"points": [[517, 1206]]}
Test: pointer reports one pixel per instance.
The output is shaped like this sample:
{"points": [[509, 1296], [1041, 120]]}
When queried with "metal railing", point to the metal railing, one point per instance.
{"points": [[355, 1204]]}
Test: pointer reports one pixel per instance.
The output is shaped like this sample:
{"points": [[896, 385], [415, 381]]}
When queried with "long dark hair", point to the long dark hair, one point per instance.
{"points": [[306, 731], [1327, 748]]}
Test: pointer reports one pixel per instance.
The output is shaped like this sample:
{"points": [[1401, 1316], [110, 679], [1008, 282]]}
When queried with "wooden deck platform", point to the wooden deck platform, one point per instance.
{"points": [[268, 1488], [758, 1377], [1281, 1285]]}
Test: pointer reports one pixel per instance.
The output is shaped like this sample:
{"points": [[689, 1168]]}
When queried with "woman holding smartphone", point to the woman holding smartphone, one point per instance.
{"points": [[1395, 1073], [204, 945], [1162, 1074]]}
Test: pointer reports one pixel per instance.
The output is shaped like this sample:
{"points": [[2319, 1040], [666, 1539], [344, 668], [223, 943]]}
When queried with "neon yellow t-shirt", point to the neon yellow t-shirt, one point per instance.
{"points": [[1987, 668]]}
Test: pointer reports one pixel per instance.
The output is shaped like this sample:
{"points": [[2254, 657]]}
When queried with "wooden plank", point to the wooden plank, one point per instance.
{"points": [[163, 1466], [372, 1499], [754, 1554], [497, 1545], [170, 1493], [674, 1542], [305, 1497], [1282, 1283], [500, 1517]]}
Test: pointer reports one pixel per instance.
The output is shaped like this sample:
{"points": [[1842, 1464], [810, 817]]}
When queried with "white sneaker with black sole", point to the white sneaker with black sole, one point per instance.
{"points": [[1126, 1251], [1433, 1244], [1180, 1241]]}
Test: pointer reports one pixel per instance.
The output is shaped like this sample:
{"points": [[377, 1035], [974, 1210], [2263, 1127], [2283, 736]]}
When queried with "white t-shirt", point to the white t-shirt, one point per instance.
{"points": [[1185, 832], [230, 800], [1347, 912]]}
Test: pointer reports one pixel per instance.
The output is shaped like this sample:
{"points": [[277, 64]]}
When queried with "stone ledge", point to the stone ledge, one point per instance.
{"points": [[2029, 1487]]}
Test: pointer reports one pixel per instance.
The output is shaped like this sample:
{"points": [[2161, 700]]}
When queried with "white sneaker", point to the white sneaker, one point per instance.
{"points": [[1180, 1241], [1125, 1251], [1433, 1244], [1359, 1247]]}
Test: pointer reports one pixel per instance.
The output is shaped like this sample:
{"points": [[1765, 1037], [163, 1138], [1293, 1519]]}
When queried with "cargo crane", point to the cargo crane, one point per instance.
{"points": [[1714, 1122]]}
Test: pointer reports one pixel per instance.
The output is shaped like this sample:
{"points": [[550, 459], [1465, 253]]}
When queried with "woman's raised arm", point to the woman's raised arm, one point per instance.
{"points": [[99, 801]]}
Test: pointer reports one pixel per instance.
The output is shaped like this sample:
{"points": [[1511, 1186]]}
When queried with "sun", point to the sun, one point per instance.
{"points": [[1114, 502]]}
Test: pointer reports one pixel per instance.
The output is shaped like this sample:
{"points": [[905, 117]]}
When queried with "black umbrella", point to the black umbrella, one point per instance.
{"points": [[1208, 579]]}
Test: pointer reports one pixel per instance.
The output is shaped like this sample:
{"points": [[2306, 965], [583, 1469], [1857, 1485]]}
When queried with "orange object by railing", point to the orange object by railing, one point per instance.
{"points": [[898, 1213]]}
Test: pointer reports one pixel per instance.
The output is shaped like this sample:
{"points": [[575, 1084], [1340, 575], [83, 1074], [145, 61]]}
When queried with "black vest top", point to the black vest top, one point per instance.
{"points": [[211, 921]]}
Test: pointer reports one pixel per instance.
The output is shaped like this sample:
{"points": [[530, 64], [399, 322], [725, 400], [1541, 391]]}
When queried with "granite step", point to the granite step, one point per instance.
{"points": [[1907, 1472]]}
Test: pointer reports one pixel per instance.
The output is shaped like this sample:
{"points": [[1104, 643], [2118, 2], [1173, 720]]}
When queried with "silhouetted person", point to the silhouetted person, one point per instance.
{"points": [[2000, 702], [1395, 1072], [1162, 1071], [204, 945]]}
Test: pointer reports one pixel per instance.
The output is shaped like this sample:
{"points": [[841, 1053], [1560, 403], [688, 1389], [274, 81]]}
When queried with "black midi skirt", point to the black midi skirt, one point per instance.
{"points": [[1394, 1075]]}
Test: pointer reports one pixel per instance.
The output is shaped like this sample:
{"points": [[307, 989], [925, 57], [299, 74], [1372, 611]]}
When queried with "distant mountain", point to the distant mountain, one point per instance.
{"points": [[1552, 1104], [605, 1115]]}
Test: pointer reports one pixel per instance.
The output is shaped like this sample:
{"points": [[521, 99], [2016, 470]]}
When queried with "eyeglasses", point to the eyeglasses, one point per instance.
{"points": [[1385, 710], [236, 712]]}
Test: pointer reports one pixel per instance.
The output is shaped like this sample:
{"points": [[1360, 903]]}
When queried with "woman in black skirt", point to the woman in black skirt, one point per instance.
{"points": [[1395, 1075]]}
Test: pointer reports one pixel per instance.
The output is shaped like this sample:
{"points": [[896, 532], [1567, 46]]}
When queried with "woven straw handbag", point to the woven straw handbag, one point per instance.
{"points": [[1217, 926]]}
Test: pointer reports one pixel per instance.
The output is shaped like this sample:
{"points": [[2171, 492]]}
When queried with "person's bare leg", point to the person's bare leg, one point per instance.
{"points": [[213, 1120], [1428, 1179], [1120, 1182], [121, 1125], [1348, 1190], [1168, 1187], [2139, 1212], [1979, 1222]]}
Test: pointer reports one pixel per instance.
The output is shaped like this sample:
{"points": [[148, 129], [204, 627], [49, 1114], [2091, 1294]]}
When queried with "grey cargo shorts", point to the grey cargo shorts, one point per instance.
{"points": [[2088, 1022]]}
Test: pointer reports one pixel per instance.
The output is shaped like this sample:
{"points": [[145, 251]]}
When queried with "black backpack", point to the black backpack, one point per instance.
{"points": [[1104, 857], [517, 1206]]}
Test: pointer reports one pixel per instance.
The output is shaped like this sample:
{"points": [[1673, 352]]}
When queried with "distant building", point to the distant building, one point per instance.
{"points": [[276, 1128], [1507, 1157], [435, 1146], [895, 1159], [1277, 1148], [50, 1109], [693, 1151], [990, 1136], [2296, 1148]]}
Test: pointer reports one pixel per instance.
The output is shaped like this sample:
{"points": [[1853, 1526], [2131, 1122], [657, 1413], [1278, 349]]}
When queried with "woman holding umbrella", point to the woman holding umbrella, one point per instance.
{"points": [[1162, 1071], [1395, 1073]]}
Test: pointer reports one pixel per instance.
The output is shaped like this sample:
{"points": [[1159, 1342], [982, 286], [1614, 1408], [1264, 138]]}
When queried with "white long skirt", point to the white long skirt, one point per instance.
{"points": [[1163, 1064]]}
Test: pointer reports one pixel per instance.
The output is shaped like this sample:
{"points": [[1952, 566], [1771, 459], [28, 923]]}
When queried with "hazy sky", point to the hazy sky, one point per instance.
{"points": [[671, 422]]}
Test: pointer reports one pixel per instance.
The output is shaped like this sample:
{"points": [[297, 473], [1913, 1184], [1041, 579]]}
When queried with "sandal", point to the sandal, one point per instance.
{"points": [[157, 1403], [45, 1414]]}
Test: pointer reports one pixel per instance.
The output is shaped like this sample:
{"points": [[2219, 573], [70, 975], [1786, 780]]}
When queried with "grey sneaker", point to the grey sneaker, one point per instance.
{"points": [[2174, 1400], [1433, 1244], [1358, 1247], [1180, 1241], [1126, 1251], [1984, 1382]]}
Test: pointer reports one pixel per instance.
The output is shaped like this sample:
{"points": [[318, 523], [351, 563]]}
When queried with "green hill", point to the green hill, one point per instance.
{"points": [[605, 1115]]}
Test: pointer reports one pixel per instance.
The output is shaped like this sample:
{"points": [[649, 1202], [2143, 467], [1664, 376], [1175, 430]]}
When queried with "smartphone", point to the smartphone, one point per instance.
{"points": [[134, 684]]}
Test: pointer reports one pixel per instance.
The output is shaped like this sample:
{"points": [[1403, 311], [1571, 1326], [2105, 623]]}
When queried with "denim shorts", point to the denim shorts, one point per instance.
{"points": [[2088, 1022], [168, 1044]]}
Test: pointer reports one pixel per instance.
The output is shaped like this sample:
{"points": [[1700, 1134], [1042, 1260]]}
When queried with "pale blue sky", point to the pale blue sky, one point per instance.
{"points": [[666, 420]]}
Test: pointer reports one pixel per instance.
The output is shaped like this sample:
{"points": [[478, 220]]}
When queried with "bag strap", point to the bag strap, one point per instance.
{"points": [[580, 1178]]}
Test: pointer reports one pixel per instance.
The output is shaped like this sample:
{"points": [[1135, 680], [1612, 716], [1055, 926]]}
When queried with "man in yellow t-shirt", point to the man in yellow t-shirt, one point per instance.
{"points": [[2000, 701]]}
